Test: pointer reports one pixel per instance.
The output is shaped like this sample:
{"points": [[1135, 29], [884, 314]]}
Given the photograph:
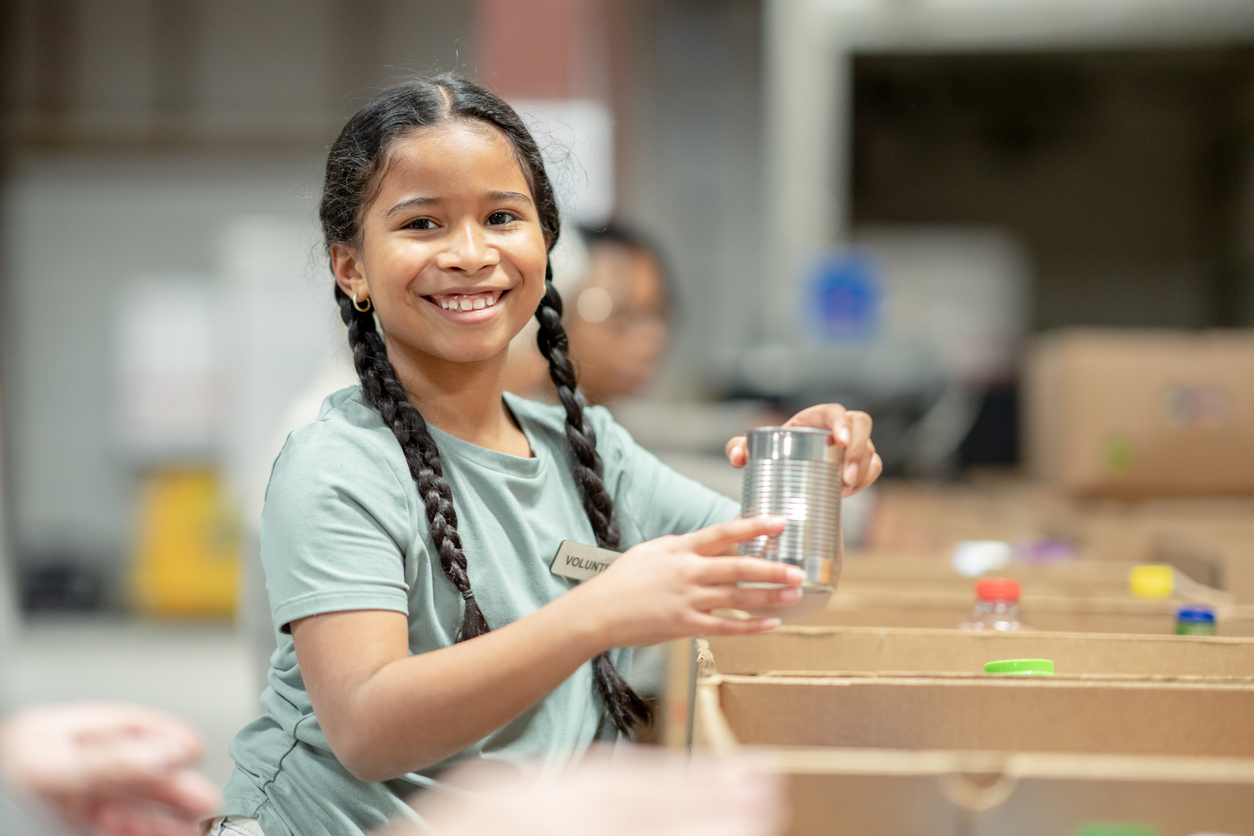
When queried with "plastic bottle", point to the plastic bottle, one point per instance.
{"points": [[1195, 620], [997, 607]]}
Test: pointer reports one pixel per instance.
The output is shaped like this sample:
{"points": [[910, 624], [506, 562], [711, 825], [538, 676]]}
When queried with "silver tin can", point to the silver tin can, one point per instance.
{"points": [[794, 473]]}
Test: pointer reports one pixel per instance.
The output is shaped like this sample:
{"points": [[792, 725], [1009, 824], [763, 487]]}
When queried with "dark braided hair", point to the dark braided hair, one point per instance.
{"points": [[353, 166]]}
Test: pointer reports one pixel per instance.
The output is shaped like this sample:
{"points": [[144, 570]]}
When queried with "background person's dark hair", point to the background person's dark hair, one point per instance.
{"points": [[353, 166]]}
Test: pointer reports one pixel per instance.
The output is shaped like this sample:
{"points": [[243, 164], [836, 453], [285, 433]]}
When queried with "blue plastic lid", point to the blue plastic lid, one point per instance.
{"points": [[1196, 612]]}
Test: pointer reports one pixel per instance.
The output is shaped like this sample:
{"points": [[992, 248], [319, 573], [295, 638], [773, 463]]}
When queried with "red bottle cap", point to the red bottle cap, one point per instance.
{"points": [[997, 589]]}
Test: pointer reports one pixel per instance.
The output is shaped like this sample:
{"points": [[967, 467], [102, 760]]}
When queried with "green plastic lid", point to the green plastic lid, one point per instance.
{"points": [[1115, 829], [1021, 667]]}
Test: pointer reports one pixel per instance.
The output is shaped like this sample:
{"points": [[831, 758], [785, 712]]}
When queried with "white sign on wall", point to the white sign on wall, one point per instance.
{"points": [[576, 137], [167, 376]]}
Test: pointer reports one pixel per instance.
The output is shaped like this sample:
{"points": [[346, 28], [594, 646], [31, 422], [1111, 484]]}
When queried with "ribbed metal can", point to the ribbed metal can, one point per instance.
{"points": [[794, 473]]}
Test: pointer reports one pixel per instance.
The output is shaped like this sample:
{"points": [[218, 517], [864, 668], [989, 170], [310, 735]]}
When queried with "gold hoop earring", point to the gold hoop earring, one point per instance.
{"points": [[359, 308]]}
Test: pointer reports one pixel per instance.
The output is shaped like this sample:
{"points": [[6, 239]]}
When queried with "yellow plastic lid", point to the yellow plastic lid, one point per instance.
{"points": [[1152, 581]]}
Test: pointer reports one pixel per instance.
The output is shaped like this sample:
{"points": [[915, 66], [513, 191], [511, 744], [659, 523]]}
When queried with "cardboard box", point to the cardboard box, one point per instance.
{"points": [[859, 792], [890, 608], [1121, 530], [1209, 539], [985, 713], [925, 518], [1141, 412], [1211, 542], [1071, 578], [877, 649], [845, 745]]}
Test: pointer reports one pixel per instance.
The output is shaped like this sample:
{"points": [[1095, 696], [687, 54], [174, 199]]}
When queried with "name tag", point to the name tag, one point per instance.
{"points": [[579, 562]]}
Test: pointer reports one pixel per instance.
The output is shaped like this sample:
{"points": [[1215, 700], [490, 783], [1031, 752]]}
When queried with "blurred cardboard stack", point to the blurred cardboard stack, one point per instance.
{"points": [[1145, 439], [1142, 413], [1140, 449]]}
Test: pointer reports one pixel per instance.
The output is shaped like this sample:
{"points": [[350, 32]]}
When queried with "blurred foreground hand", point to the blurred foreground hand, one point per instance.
{"points": [[613, 792], [109, 768]]}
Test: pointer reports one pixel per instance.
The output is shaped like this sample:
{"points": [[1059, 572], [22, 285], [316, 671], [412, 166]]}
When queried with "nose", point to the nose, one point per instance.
{"points": [[467, 250]]}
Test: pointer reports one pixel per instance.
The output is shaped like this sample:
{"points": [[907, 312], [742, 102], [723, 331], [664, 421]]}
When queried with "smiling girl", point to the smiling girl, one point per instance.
{"points": [[408, 532]]}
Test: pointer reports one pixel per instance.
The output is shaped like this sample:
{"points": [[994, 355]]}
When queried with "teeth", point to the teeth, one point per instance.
{"points": [[468, 303]]}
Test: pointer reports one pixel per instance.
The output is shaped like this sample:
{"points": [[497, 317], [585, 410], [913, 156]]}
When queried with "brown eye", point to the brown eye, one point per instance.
{"points": [[420, 223], [498, 218]]}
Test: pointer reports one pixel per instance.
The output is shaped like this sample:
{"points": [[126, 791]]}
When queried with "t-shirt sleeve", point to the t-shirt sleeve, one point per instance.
{"points": [[333, 530], [651, 499]]}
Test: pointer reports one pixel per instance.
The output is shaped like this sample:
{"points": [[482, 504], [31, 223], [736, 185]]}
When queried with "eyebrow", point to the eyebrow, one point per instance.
{"points": [[413, 201], [428, 201], [509, 196]]}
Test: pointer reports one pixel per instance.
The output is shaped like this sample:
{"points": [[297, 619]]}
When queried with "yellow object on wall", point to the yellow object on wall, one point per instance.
{"points": [[188, 550]]}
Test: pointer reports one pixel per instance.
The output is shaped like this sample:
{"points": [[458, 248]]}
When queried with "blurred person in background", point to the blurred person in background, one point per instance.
{"points": [[617, 322], [112, 769]]}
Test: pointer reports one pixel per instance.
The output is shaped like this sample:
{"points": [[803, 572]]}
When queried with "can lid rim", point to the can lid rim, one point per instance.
{"points": [[790, 430]]}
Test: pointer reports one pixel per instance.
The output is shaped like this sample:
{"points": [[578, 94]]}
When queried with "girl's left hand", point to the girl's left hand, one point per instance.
{"points": [[849, 428]]}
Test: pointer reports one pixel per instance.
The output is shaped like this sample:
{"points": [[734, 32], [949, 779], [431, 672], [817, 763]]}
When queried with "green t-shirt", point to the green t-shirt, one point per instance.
{"points": [[344, 529]]}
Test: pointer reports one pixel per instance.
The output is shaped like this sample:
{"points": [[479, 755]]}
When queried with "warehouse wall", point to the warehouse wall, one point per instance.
{"points": [[132, 133], [1124, 173], [690, 174]]}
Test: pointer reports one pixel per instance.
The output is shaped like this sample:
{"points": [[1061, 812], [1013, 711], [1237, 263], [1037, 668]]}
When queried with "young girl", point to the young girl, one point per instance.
{"points": [[408, 532]]}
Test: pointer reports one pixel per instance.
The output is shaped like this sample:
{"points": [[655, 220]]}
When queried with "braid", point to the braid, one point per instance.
{"points": [[385, 393], [589, 471], [623, 704]]}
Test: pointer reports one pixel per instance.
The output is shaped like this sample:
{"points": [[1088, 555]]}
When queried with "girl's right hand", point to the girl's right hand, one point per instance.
{"points": [[665, 589]]}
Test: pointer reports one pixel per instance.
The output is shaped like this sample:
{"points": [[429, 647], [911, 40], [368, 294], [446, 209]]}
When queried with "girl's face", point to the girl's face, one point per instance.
{"points": [[452, 252]]}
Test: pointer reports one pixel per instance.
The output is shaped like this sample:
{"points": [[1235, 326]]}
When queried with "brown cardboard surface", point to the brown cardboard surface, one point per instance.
{"points": [[1022, 714], [1210, 539], [1141, 413], [923, 573], [923, 518], [1222, 554], [876, 608], [964, 792], [816, 649], [930, 794], [1181, 532]]}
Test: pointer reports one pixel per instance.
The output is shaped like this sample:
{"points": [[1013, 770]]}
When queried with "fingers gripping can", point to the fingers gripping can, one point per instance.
{"points": [[794, 473]]}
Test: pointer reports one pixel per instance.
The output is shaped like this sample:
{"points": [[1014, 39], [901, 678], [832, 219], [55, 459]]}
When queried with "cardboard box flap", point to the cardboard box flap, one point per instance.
{"points": [[980, 792], [822, 761], [1081, 615], [1001, 714], [1030, 603], [1141, 413], [830, 648]]}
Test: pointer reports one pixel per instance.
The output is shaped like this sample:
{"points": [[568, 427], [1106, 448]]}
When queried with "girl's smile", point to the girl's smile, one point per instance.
{"points": [[467, 306], [452, 254]]}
